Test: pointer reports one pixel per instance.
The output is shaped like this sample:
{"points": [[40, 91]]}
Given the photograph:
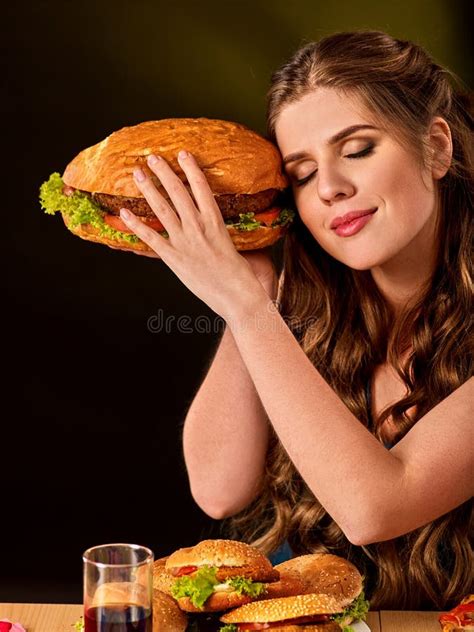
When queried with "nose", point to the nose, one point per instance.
{"points": [[333, 185]]}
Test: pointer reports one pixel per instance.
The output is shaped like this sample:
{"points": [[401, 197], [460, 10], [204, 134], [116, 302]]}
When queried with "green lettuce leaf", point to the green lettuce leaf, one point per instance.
{"points": [[229, 627], [357, 610], [286, 216], [247, 586], [198, 588], [248, 222], [79, 208]]}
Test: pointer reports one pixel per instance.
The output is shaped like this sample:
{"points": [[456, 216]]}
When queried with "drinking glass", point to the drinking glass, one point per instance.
{"points": [[118, 588]]}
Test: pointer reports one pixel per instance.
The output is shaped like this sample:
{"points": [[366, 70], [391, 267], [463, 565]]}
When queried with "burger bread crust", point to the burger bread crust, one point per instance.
{"points": [[167, 617], [325, 573], [271, 610], [162, 580], [330, 626], [243, 240], [233, 158], [232, 558]]}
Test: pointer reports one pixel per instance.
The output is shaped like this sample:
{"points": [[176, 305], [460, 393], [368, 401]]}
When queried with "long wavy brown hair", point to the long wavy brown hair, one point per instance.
{"points": [[346, 328]]}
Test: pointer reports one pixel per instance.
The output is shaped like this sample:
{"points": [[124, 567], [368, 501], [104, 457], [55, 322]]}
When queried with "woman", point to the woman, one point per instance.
{"points": [[342, 421]]}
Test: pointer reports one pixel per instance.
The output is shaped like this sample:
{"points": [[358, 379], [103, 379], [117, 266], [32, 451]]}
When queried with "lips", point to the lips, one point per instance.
{"points": [[348, 217]]}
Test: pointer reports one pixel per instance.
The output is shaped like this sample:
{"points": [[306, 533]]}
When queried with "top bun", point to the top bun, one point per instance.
{"points": [[269, 610], [226, 553], [234, 158], [325, 573]]}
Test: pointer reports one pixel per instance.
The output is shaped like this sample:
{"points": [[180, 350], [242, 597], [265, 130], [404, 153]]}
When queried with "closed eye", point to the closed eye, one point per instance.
{"points": [[360, 154]]}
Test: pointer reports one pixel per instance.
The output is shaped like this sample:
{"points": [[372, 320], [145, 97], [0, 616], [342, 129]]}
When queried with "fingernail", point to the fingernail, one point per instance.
{"points": [[124, 214], [139, 175], [182, 154], [152, 159]]}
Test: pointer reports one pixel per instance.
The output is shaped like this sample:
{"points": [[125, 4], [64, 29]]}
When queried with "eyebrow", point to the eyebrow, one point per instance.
{"points": [[332, 141]]}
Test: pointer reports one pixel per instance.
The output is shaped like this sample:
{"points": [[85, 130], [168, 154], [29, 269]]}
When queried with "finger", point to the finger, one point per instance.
{"points": [[202, 193], [153, 239], [179, 195], [157, 202]]}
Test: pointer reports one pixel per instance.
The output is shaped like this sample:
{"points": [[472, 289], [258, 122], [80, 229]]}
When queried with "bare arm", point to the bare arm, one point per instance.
{"points": [[226, 429], [374, 494], [225, 435]]}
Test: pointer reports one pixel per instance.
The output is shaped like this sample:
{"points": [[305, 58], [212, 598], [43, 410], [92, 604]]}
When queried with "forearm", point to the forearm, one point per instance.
{"points": [[225, 435], [348, 470]]}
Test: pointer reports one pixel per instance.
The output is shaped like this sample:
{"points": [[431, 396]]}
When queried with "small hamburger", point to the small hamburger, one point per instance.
{"points": [[243, 169], [300, 613], [215, 575]]}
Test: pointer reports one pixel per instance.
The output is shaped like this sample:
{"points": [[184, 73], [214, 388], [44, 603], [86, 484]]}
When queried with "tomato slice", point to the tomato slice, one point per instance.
{"points": [[116, 222], [183, 570], [268, 216]]}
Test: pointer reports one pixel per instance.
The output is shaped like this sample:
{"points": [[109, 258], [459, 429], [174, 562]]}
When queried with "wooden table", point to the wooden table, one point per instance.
{"points": [[39, 617]]}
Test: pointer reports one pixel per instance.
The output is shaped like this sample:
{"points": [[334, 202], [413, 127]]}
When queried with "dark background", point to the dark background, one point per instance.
{"points": [[94, 399]]}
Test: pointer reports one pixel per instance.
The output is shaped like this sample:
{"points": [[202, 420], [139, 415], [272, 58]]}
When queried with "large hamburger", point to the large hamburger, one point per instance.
{"points": [[243, 170], [215, 575]]}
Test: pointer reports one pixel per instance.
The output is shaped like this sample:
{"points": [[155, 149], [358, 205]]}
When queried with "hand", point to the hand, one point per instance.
{"points": [[199, 249]]}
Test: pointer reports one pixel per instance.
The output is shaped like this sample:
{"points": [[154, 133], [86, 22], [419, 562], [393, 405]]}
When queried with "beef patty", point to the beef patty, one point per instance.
{"points": [[230, 205]]}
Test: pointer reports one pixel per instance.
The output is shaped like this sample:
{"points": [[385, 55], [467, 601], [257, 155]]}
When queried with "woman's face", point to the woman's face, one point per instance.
{"points": [[363, 171]]}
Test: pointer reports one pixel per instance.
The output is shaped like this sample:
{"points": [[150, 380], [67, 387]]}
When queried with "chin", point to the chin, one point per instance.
{"points": [[356, 260]]}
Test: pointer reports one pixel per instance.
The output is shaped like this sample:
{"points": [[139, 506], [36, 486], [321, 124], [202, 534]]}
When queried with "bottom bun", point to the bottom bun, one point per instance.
{"points": [[217, 602], [167, 617], [243, 240]]}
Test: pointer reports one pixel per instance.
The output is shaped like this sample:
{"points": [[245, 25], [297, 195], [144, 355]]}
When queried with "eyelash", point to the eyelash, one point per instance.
{"points": [[361, 154]]}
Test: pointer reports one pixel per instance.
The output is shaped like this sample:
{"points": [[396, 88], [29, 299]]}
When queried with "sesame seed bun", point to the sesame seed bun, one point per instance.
{"points": [[330, 626], [232, 559], [167, 617], [325, 573], [270, 610], [162, 580]]}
